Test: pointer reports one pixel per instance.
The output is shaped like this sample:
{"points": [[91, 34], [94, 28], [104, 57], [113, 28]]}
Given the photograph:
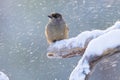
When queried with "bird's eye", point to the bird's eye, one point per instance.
{"points": [[55, 16]]}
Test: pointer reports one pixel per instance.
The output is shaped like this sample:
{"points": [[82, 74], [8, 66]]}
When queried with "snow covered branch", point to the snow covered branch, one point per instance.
{"points": [[73, 46], [105, 44], [89, 44], [76, 45]]}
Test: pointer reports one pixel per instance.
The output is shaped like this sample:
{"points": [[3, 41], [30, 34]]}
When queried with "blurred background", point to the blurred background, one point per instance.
{"points": [[23, 46]]}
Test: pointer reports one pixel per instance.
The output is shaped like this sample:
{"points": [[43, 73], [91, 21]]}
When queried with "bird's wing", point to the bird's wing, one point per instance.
{"points": [[67, 27]]}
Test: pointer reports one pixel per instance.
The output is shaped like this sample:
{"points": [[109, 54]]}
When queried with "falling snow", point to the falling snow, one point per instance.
{"points": [[23, 45]]}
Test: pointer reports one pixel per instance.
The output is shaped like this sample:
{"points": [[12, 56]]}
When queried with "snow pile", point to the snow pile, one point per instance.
{"points": [[3, 76], [95, 48], [77, 45]]}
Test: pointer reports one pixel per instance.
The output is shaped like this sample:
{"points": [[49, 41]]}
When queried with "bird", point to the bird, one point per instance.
{"points": [[56, 29]]}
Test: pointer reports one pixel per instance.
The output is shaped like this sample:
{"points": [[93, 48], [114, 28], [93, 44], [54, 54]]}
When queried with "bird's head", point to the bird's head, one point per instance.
{"points": [[55, 16]]}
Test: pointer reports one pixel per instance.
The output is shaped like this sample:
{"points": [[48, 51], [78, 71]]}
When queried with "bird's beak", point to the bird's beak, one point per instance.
{"points": [[49, 16]]}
